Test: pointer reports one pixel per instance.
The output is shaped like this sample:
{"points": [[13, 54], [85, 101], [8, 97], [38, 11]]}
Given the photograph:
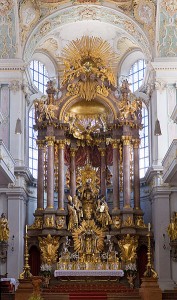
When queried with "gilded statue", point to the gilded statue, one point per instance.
{"points": [[172, 228], [102, 213], [4, 228], [72, 212], [78, 205], [49, 247], [128, 246]]}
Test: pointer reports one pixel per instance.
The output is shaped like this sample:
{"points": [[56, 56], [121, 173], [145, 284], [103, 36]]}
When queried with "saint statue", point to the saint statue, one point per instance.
{"points": [[78, 207], [4, 228], [102, 213], [73, 218]]}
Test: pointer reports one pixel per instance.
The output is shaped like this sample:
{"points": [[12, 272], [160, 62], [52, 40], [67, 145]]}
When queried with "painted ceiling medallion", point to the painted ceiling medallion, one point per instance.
{"points": [[88, 68]]}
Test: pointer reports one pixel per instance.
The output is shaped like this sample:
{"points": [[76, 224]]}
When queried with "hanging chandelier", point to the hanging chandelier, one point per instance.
{"points": [[88, 68]]}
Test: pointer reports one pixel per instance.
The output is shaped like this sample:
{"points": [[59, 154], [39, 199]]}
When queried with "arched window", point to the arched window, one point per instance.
{"points": [[40, 77], [144, 145], [33, 151], [136, 74]]}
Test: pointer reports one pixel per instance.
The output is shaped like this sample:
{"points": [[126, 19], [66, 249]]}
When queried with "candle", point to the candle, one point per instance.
{"points": [[26, 229], [149, 226]]}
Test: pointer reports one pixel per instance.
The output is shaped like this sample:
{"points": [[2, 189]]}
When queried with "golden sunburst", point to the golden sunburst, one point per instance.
{"points": [[88, 68]]}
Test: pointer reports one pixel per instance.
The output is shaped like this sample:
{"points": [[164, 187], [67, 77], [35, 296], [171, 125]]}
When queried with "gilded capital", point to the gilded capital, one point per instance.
{"points": [[115, 143], [50, 140], [61, 144], [40, 144], [73, 152], [136, 143], [102, 151], [126, 140]]}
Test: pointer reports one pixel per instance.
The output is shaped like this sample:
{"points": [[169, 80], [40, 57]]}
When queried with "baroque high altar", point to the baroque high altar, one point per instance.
{"points": [[88, 163]]}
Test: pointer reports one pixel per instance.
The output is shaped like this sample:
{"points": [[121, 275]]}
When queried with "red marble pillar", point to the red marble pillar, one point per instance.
{"points": [[103, 171], [40, 178], [50, 171], [116, 196], [126, 171], [72, 172], [61, 147], [136, 143]]}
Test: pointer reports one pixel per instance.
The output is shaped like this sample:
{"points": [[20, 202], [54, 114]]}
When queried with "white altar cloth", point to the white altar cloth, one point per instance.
{"points": [[111, 273], [12, 280]]}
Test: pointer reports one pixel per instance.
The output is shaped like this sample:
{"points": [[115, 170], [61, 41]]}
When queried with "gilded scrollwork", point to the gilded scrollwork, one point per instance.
{"points": [[87, 68], [128, 245], [49, 247], [37, 224], [139, 222], [60, 222], [116, 221]]}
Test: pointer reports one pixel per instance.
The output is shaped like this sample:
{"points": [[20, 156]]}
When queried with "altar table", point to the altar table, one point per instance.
{"points": [[85, 275]]}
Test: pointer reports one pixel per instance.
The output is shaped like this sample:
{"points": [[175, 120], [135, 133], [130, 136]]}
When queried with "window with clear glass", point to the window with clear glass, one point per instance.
{"points": [[33, 150], [144, 145], [40, 78], [136, 74], [39, 75]]}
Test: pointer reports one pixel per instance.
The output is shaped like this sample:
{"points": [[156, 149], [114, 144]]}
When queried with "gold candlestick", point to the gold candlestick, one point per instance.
{"points": [[150, 272], [26, 269]]}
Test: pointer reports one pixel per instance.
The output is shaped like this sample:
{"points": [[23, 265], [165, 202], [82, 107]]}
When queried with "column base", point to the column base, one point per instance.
{"points": [[167, 284], [149, 289], [24, 290]]}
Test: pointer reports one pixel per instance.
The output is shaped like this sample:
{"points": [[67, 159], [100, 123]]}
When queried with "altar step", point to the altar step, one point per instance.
{"points": [[169, 295], [90, 296]]}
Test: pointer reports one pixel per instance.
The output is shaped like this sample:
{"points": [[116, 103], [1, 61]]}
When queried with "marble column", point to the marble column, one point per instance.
{"points": [[40, 178], [136, 143], [126, 171], [103, 171], [116, 195], [61, 148], [72, 172], [50, 171]]}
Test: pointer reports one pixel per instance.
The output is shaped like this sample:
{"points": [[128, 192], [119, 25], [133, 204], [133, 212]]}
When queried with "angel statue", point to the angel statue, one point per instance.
{"points": [[82, 132]]}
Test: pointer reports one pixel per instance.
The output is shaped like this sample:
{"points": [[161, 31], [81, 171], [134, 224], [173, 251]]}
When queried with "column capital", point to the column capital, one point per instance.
{"points": [[115, 143], [136, 143], [61, 144], [126, 140], [73, 152], [40, 144], [102, 151], [50, 140]]}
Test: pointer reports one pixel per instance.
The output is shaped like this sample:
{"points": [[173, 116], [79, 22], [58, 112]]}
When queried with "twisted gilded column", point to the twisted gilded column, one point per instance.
{"points": [[50, 171], [61, 148], [40, 178], [72, 172], [103, 171], [126, 171], [116, 196], [136, 143]]}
